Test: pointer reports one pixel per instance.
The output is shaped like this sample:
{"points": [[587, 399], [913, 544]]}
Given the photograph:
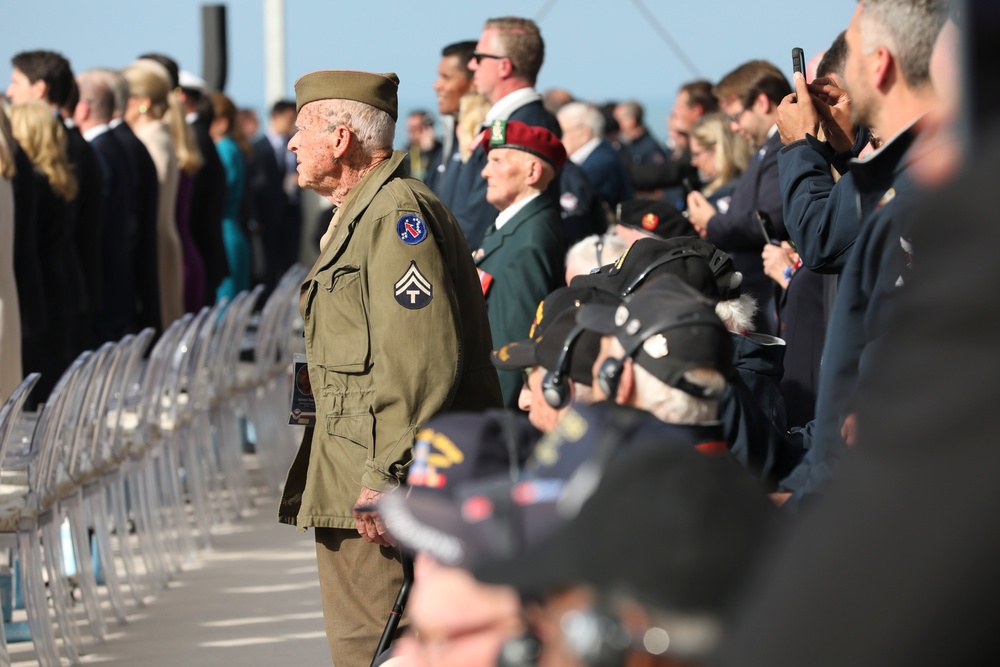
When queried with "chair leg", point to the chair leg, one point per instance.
{"points": [[116, 491], [59, 593], [37, 608], [85, 567], [96, 506]]}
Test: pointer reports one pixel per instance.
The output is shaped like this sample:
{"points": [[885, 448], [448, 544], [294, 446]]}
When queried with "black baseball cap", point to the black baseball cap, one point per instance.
{"points": [[647, 259], [654, 217], [450, 450], [676, 531], [667, 328], [727, 278], [554, 328], [481, 519]]}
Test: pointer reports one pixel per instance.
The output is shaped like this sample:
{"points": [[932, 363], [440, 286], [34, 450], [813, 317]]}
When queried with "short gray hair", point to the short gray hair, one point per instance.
{"points": [[673, 405], [594, 251], [908, 28], [737, 314], [584, 114], [374, 128]]}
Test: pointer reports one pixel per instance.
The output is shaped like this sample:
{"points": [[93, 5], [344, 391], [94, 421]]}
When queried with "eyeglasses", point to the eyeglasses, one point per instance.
{"points": [[478, 57], [735, 117]]}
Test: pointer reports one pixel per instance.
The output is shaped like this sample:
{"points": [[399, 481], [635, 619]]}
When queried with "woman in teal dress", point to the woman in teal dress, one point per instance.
{"points": [[233, 150]]}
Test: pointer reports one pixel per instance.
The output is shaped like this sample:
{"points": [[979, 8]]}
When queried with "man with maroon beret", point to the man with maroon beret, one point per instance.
{"points": [[521, 257]]}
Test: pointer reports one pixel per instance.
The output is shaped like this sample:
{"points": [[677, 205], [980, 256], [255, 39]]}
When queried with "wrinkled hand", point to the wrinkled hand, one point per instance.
{"points": [[370, 524], [699, 212], [833, 105], [776, 260], [797, 115]]}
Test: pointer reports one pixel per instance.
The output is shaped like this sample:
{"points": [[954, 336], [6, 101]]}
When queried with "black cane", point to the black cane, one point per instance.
{"points": [[397, 608]]}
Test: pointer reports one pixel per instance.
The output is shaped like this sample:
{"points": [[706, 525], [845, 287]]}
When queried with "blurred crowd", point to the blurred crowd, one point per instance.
{"points": [[706, 348], [130, 197]]}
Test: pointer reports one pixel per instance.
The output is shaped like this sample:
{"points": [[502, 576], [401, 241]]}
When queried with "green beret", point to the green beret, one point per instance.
{"points": [[378, 90]]}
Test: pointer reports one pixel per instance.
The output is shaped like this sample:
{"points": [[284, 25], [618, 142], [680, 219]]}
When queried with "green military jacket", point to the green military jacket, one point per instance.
{"points": [[521, 263], [396, 331]]}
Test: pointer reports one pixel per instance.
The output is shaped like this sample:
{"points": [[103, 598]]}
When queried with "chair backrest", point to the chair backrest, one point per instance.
{"points": [[44, 443], [11, 411], [107, 443], [151, 384], [78, 429]]}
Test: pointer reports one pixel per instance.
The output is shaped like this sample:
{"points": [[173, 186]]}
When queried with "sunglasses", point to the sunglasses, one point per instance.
{"points": [[478, 57]]}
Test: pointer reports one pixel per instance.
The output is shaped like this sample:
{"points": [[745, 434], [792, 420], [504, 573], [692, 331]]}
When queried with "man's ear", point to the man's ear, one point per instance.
{"points": [[884, 65], [506, 68], [40, 90], [341, 141], [762, 105]]}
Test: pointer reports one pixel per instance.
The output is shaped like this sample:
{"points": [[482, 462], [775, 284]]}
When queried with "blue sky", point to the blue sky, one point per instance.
{"points": [[597, 49]]}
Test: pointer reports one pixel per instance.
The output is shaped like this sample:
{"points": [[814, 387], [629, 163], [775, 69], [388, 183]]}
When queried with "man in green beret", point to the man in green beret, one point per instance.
{"points": [[396, 331]]}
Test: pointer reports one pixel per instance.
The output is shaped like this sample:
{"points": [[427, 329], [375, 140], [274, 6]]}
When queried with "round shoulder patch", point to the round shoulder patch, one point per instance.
{"points": [[411, 229]]}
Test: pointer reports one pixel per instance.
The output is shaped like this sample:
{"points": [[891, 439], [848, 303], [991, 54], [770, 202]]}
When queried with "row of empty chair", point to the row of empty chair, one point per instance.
{"points": [[139, 450]]}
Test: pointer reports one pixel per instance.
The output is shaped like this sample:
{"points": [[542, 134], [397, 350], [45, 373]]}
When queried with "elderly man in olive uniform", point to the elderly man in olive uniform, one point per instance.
{"points": [[396, 331]]}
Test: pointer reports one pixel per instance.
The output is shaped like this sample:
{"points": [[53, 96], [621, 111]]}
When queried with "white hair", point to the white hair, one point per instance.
{"points": [[374, 128], [737, 314], [583, 113], [673, 405], [592, 253]]}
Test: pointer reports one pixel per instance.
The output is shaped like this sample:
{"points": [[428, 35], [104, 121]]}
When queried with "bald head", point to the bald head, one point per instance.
{"points": [[97, 99]]}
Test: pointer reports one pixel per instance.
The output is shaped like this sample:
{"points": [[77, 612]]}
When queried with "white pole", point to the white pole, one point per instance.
{"points": [[274, 51]]}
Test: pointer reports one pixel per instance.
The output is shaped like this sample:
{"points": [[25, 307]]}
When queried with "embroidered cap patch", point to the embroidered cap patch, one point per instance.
{"points": [[413, 291], [411, 229]]}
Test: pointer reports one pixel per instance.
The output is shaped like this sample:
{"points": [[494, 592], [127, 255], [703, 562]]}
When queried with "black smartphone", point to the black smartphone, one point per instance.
{"points": [[688, 186], [799, 61], [766, 227], [979, 21]]}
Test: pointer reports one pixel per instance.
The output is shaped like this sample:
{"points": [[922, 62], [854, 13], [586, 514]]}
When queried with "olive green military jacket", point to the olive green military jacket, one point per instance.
{"points": [[396, 331]]}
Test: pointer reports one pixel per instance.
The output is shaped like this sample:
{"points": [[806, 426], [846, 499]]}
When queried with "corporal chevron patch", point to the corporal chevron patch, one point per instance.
{"points": [[413, 291]]}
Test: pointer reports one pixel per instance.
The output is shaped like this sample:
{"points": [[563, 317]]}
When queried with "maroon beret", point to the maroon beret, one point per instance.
{"points": [[529, 138]]}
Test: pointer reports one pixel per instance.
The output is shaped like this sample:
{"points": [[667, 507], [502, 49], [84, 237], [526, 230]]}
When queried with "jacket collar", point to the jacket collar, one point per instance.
{"points": [[495, 239], [759, 353], [356, 203]]}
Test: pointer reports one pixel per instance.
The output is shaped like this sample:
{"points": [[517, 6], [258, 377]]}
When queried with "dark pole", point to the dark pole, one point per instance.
{"points": [[213, 46], [397, 608]]}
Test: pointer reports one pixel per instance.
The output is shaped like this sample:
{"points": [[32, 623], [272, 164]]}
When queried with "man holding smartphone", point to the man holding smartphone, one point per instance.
{"points": [[750, 96]]}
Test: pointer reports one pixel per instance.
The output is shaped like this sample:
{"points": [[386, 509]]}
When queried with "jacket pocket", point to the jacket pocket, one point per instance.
{"points": [[357, 429], [340, 340]]}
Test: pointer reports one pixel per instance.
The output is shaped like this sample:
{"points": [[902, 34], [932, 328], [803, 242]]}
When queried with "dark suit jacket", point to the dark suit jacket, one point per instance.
{"points": [[88, 218], [580, 210], [119, 236], [207, 202], [264, 178], [27, 261], [737, 231], [605, 170], [144, 259], [525, 259]]}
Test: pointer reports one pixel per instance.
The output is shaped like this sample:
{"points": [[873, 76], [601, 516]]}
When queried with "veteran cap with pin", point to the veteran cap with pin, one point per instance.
{"points": [[528, 138], [377, 90]]}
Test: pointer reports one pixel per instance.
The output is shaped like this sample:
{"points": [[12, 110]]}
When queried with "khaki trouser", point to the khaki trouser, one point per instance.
{"points": [[359, 582]]}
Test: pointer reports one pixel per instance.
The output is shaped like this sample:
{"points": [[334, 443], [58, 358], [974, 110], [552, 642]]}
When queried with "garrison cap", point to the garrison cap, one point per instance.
{"points": [[377, 90]]}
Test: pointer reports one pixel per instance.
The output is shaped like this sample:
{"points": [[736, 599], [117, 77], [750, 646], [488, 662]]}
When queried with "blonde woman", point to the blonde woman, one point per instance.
{"points": [[472, 110], [233, 150], [10, 312], [720, 156], [43, 139], [147, 105], [189, 160]]}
